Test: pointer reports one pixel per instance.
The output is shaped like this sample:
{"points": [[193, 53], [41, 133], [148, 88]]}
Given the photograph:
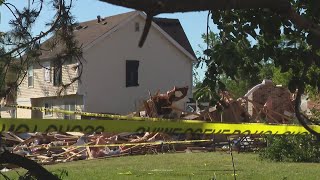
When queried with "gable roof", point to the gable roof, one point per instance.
{"points": [[175, 30], [90, 31]]}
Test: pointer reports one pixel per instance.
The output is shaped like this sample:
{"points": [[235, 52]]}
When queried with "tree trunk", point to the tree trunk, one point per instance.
{"points": [[34, 168]]}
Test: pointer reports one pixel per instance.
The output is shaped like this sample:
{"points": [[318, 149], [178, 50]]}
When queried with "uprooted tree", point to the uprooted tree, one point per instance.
{"points": [[21, 47], [253, 32]]}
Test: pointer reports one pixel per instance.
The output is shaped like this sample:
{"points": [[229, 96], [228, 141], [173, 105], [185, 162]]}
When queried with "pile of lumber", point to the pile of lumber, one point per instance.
{"points": [[270, 102], [167, 105], [265, 102], [48, 148]]}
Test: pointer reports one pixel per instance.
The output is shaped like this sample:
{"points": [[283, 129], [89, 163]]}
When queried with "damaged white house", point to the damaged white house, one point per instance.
{"points": [[117, 75]]}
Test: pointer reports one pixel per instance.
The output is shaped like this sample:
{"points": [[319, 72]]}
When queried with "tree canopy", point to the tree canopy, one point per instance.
{"points": [[20, 47], [253, 32]]}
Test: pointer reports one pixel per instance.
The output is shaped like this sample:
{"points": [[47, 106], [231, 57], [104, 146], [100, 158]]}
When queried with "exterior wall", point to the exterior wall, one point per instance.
{"points": [[42, 88], [161, 66], [23, 113], [57, 103], [8, 112]]}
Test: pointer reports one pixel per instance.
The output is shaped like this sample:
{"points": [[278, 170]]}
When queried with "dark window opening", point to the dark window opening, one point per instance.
{"points": [[132, 68], [57, 73], [47, 111], [137, 27]]}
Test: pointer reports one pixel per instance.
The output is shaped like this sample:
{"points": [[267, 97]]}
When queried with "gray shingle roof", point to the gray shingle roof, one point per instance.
{"points": [[89, 31]]}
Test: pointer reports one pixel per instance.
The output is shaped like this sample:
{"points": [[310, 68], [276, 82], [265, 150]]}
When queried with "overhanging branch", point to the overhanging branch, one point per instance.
{"points": [[283, 7], [37, 38], [34, 168], [172, 6], [303, 119]]}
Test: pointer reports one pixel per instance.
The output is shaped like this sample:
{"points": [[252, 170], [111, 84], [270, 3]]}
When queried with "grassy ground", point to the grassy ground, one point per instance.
{"points": [[185, 166]]}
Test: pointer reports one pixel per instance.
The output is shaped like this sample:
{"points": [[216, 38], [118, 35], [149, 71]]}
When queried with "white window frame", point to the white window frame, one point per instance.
{"points": [[30, 74], [67, 107], [47, 72], [48, 113]]}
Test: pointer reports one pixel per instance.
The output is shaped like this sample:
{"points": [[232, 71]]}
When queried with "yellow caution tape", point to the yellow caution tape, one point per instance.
{"points": [[130, 124], [181, 127], [89, 114]]}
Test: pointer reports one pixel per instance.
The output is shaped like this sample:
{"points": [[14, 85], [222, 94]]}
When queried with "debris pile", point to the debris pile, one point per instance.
{"points": [[166, 105], [47, 148], [272, 103], [263, 103]]}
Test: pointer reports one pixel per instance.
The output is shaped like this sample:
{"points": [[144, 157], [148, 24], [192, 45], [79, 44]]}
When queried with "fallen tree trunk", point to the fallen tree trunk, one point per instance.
{"points": [[34, 168]]}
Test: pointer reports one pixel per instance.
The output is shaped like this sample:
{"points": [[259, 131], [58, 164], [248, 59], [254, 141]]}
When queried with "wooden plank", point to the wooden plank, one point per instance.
{"points": [[89, 152]]}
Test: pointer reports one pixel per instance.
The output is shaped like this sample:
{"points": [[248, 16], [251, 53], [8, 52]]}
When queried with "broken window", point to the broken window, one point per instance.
{"points": [[132, 67], [57, 73], [30, 76]]}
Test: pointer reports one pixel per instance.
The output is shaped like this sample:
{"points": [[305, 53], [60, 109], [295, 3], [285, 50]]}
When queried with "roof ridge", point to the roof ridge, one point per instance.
{"points": [[107, 17], [91, 31]]}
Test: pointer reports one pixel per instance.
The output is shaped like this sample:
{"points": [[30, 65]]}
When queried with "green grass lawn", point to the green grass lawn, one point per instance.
{"points": [[185, 166]]}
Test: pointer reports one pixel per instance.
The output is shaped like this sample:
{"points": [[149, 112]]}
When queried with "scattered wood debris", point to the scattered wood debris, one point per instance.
{"points": [[63, 147], [263, 103], [166, 105]]}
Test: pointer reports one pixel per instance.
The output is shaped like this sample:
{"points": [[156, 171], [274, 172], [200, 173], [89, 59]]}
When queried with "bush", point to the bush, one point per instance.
{"points": [[292, 148]]}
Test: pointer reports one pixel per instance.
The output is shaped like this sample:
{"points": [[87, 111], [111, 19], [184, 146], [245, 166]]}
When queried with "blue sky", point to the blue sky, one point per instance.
{"points": [[194, 23]]}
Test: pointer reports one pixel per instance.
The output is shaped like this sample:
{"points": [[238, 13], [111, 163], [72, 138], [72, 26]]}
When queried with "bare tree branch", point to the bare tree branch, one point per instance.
{"points": [[41, 35], [302, 119], [146, 29]]}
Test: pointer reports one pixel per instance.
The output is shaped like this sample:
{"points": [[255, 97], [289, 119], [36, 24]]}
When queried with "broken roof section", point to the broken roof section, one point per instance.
{"points": [[90, 31]]}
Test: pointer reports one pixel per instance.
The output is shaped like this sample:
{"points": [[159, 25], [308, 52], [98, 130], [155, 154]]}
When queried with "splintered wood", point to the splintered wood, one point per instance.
{"points": [[56, 147], [270, 103], [263, 103], [166, 105]]}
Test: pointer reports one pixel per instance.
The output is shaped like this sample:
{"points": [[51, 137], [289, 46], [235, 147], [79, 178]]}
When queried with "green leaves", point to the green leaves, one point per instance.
{"points": [[296, 148], [250, 39]]}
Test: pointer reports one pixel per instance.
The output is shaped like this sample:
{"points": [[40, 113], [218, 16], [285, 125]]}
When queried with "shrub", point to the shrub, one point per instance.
{"points": [[294, 148]]}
